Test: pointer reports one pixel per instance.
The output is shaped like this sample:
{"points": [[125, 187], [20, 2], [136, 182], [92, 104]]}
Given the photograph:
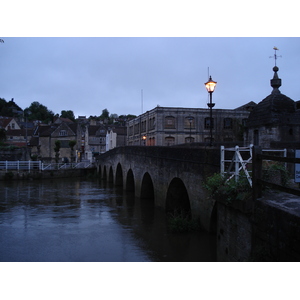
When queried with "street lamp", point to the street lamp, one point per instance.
{"points": [[210, 86]]}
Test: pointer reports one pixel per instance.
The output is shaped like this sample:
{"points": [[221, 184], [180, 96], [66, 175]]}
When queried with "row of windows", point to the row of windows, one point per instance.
{"points": [[170, 141], [170, 123]]}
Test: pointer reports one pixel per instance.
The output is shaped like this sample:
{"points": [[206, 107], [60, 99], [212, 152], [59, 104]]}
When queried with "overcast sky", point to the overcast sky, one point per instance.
{"points": [[131, 75]]}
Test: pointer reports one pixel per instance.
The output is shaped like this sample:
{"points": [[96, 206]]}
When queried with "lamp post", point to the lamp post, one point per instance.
{"points": [[210, 87]]}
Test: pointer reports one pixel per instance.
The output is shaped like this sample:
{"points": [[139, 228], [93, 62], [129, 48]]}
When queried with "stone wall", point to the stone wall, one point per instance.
{"points": [[234, 231], [256, 231], [276, 234]]}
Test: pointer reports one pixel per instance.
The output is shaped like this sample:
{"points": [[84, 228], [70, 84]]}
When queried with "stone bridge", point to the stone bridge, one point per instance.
{"points": [[171, 177]]}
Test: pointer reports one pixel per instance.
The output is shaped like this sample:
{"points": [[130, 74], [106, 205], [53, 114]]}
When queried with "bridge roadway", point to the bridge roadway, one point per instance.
{"points": [[171, 177]]}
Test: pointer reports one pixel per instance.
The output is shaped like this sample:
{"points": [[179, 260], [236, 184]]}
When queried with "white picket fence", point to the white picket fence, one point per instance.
{"points": [[38, 165]]}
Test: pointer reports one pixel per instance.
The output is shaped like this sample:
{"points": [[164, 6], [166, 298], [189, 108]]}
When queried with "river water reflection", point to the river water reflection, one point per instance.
{"points": [[76, 220]]}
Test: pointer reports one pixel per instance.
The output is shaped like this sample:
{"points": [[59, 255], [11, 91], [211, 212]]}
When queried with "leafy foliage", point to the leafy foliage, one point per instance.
{"points": [[229, 191], [179, 223], [69, 114], [9, 109], [276, 169], [105, 114], [56, 149], [2, 135], [37, 111]]}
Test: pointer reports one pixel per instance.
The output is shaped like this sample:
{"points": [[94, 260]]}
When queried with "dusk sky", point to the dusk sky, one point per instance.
{"points": [[130, 75]]}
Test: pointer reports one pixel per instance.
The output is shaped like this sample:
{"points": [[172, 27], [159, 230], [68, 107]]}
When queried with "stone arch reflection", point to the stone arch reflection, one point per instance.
{"points": [[104, 173], [110, 176], [119, 176], [147, 189], [130, 185], [177, 200]]}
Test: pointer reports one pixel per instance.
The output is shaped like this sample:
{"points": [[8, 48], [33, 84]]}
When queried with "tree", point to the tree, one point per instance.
{"points": [[10, 108], [72, 143], [2, 135], [56, 149], [105, 114], [68, 114], [39, 112]]}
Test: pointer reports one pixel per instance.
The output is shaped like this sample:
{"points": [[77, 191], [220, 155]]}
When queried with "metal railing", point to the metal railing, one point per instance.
{"points": [[38, 165], [242, 157], [237, 163]]}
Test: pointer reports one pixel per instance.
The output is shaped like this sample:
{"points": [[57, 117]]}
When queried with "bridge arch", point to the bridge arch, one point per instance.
{"points": [[119, 175], [147, 188], [104, 173], [177, 200], [130, 185], [176, 173], [111, 175]]}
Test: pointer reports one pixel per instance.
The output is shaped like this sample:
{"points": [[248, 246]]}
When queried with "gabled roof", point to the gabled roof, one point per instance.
{"points": [[248, 106], [120, 130], [48, 130], [45, 130], [5, 121], [64, 126], [95, 130], [19, 132], [63, 120]]}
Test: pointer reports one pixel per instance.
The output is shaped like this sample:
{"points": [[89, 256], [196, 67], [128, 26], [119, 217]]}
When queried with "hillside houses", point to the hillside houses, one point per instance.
{"points": [[38, 141]]}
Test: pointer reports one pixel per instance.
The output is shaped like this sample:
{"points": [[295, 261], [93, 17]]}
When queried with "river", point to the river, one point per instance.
{"points": [[79, 220]]}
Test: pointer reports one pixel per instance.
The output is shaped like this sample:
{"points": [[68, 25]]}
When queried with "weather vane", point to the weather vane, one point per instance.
{"points": [[275, 55]]}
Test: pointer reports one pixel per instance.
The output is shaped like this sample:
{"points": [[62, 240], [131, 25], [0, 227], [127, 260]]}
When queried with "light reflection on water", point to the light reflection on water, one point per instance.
{"points": [[78, 220]]}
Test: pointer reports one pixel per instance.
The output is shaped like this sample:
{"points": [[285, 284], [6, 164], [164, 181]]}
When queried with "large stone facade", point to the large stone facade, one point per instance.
{"points": [[167, 126]]}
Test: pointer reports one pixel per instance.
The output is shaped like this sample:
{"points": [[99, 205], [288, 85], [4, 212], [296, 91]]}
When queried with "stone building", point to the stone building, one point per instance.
{"points": [[96, 140], [167, 126], [116, 137], [275, 121], [44, 137]]}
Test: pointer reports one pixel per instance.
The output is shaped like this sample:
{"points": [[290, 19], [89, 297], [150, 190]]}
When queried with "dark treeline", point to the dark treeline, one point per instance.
{"points": [[40, 112]]}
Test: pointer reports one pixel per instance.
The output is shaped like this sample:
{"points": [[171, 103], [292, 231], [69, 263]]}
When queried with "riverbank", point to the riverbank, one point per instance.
{"points": [[46, 174]]}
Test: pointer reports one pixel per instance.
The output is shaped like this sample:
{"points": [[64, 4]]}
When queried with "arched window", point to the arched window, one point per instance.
{"points": [[169, 141], [189, 123], [169, 122], [189, 140], [152, 123]]}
